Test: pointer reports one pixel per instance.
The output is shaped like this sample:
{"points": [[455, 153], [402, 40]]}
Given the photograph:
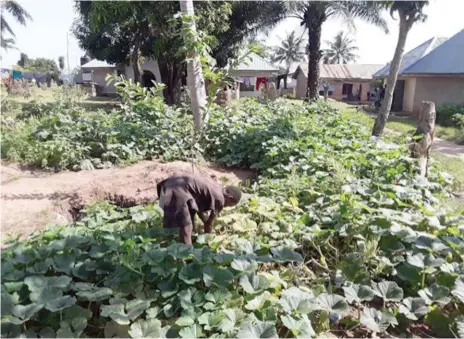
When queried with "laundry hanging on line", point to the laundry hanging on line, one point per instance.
{"points": [[40, 78], [17, 75], [260, 81]]}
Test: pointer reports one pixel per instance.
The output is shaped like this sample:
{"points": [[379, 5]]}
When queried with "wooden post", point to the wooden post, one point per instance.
{"points": [[423, 137]]}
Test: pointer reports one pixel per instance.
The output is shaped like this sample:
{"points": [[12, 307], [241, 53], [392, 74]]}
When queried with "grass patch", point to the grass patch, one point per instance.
{"points": [[454, 166]]}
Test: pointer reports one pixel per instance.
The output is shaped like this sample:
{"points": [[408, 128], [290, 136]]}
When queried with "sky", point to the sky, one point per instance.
{"points": [[46, 35]]}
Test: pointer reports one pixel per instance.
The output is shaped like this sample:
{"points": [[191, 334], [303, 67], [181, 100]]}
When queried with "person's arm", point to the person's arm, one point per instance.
{"points": [[210, 221]]}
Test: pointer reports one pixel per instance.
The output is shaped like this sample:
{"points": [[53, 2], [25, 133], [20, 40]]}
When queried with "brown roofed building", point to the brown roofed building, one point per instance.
{"points": [[347, 82]]}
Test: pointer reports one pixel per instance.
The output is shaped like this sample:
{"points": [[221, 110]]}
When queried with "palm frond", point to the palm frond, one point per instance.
{"points": [[16, 10], [8, 43], [5, 26]]}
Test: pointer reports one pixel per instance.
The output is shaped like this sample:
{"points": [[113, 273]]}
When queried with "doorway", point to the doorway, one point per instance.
{"points": [[147, 79], [398, 93]]}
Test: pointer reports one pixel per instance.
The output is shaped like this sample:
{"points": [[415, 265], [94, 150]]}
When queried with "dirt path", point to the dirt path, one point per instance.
{"points": [[33, 200], [448, 147]]}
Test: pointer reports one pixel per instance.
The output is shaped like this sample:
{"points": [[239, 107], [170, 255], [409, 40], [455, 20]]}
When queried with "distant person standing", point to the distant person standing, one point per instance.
{"points": [[326, 90], [382, 92], [377, 100]]}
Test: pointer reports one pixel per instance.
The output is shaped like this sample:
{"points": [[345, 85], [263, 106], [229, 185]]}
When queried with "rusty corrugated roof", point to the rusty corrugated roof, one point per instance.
{"points": [[344, 71]]}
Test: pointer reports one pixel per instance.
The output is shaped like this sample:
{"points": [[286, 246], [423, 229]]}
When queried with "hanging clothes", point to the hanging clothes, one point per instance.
{"points": [[41, 78], [67, 79], [260, 81], [17, 75], [28, 75]]}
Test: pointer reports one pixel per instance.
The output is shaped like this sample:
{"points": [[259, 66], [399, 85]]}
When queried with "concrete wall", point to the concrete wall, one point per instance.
{"points": [[439, 90], [408, 95], [301, 86], [99, 76], [336, 86], [149, 65]]}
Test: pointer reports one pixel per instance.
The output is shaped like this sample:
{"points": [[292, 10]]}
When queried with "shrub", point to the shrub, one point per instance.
{"points": [[445, 114], [458, 120], [290, 96]]}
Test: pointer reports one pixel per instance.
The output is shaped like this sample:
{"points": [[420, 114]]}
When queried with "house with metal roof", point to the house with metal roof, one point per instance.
{"points": [[253, 73], [347, 82], [96, 71], [432, 71]]}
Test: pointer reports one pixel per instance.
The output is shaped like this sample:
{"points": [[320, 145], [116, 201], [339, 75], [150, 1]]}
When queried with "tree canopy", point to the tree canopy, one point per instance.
{"points": [[18, 13], [341, 49], [41, 65]]}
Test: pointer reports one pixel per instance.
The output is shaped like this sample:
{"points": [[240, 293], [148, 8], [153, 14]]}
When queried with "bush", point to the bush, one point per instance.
{"points": [[458, 120], [445, 114], [290, 96]]}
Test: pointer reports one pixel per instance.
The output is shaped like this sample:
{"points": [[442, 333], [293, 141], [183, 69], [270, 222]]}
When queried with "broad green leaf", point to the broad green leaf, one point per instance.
{"points": [[136, 307], [435, 293], [232, 317], [191, 273], [377, 321], [257, 329], [253, 283], [77, 316], [295, 300], [179, 251], [211, 320], [284, 254], [332, 303], [218, 296], [244, 266], [45, 295], [409, 273], [150, 328], [107, 310], [185, 321], [8, 302], [47, 332], [300, 328], [416, 260], [65, 331], [168, 288], [13, 286], [10, 330], [388, 290], [26, 312], [60, 304], [357, 293], [258, 302], [220, 277], [413, 308], [458, 290], [97, 294], [152, 312], [194, 331]]}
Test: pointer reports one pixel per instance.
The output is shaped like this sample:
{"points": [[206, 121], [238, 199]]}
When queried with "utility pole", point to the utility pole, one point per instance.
{"points": [[67, 51]]}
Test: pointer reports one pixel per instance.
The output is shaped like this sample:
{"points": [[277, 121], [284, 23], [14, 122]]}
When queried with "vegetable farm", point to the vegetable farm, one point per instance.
{"points": [[338, 235]]}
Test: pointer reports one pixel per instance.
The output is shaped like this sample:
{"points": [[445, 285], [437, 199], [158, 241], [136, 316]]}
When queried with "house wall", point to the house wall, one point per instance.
{"points": [[301, 86], [99, 77], [439, 90], [149, 65], [254, 74], [337, 92], [408, 95]]}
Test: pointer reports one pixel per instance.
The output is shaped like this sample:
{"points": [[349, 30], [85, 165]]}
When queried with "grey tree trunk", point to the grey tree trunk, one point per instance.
{"points": [[384, 112], [423, 137], [195, 80]]}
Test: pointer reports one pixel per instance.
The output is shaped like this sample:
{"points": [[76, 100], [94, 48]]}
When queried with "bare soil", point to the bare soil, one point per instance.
{"points": [[31, 200]]}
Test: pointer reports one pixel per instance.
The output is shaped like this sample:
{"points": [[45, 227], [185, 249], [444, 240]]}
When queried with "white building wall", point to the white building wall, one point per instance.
{"points": [[148, 65], [408, 95]]}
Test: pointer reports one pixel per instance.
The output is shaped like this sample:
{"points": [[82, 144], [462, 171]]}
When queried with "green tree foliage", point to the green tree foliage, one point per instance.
{"points": [[61, 62], [41, 65], [289, 52], [314, 13], [341, 49], [18, 13], [23, 59]]}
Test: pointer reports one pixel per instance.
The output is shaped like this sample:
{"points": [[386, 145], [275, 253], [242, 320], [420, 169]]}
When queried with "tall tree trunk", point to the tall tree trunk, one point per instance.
{"points": [[136, 64], [195, 80], [171, 76], [380, 122], [314, 25]]}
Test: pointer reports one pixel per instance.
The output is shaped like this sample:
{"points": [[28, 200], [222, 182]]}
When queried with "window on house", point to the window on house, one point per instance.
{"points": [[322, 93], [347, 89]]}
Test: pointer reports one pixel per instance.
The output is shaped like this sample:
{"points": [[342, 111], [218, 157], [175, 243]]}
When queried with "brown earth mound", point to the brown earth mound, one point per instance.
{"points": [[33, 200]]}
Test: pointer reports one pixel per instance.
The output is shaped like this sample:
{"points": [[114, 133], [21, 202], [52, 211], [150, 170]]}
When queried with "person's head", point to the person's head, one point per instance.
{"points": [[232, 196]]}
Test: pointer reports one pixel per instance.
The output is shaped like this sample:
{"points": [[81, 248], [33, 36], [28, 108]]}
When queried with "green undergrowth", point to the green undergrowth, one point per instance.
{"points": [[339, 234]]}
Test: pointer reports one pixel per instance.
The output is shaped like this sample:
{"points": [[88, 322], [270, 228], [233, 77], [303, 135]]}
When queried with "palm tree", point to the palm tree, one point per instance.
{"points": [[19, 13], [314, 13], [289, 52], [409, 13], [341, 50], [195, 80]]}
